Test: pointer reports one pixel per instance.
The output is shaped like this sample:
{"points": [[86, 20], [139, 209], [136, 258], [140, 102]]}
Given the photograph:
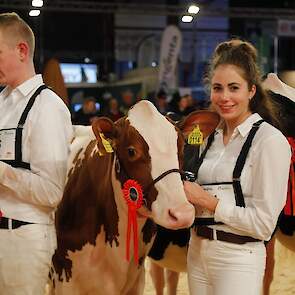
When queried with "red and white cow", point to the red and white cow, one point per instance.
{"points": [[92, 218]]}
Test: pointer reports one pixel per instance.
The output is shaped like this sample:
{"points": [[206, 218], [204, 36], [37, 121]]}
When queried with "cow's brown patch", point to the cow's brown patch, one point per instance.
{"points": [[81, 215], [76, 162]]}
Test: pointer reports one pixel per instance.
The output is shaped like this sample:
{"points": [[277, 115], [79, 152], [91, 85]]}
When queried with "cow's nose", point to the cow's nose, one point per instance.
{"points": [[182, 216]]}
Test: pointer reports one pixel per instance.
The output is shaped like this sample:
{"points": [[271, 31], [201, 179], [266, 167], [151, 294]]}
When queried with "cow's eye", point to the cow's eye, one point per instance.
{"points": [[131, 152]]}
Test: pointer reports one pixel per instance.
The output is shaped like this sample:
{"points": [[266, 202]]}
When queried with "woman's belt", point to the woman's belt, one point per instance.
{"points": [[208, 233], [4, 223]]}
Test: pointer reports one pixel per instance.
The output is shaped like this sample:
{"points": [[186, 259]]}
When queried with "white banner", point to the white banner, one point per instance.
{"points": [[286, 28], [170, 47]]}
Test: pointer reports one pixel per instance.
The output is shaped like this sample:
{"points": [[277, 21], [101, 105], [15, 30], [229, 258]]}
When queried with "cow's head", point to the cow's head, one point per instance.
{"points": [[147, 145]]}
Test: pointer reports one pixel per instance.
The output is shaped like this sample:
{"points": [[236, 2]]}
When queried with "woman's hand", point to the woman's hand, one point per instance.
{"points": [[198, 196], [193, 191]]}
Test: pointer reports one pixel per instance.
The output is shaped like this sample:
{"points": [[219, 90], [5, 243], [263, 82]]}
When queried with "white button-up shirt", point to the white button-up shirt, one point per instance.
{"points": [[264, 178], [32, 195]]}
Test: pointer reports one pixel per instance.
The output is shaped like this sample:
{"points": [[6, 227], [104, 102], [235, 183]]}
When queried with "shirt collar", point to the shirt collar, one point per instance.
{"points": [[24, 89], [5, 92], [244, 128], [30, 85]]}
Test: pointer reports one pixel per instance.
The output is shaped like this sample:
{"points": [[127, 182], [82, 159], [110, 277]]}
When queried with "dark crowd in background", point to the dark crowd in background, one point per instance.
{"points": [[175, 107]]}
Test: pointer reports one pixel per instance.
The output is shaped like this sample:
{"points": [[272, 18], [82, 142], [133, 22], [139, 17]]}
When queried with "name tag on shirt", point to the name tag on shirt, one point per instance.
{"points": [[7, 144], [223, 192]]}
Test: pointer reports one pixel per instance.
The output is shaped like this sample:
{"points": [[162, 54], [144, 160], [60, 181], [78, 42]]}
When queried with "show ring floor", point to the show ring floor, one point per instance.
{"points": [[284, 274]]}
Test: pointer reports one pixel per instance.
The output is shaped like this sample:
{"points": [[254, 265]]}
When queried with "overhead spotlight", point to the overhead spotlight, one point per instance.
{"points": [[187, 19], [37, 3], [34, 12], [193, 9]]}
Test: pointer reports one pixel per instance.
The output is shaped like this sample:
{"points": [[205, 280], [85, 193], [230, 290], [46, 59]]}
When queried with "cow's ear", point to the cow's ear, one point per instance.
{"points": [[173, 118], [104, 130], [206, 120]]}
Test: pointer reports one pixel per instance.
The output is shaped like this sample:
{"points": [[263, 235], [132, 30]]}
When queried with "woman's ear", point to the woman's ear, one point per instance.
{"points": [[252, 91]]}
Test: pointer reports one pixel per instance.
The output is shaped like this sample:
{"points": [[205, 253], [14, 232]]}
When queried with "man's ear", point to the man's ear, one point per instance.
{"points": [[206, 120], [23, 50], [105, 131]]}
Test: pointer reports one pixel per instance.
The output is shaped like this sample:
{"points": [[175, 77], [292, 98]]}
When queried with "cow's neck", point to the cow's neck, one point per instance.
{"points": [[146, 228], [81, 215], [122, 206]]}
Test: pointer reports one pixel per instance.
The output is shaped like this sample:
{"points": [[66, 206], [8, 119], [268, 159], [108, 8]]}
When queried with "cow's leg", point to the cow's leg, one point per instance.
{"points": [[269, 268], [157, 275], [171, 281], [138, 286], [49, 290]]}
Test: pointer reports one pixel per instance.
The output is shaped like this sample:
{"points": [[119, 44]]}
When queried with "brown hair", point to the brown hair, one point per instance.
{"points": [[17, 29], [243, 55]]}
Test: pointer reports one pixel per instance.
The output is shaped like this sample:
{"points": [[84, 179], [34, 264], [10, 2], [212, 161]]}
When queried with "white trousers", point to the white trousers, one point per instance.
{"points": [[25, 259], [222, 268]]}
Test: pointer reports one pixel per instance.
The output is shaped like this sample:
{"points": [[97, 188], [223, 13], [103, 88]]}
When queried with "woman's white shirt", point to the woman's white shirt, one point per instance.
{"points": [[264, 178]]}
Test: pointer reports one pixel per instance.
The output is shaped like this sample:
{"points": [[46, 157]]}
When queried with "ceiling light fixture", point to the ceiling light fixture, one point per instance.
{"points": [[187, 19], [37, 3], [34, 12], [193, 9]]}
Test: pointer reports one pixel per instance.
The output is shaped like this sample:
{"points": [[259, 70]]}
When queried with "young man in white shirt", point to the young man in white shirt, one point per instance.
{"points": [[35, 134]]}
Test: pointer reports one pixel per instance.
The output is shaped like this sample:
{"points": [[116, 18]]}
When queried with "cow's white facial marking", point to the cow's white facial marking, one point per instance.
{"points": [[161, 138]]}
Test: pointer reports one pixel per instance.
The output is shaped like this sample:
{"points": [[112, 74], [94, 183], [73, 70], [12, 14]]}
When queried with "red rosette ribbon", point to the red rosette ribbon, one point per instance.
{"points": [[133, 196]]}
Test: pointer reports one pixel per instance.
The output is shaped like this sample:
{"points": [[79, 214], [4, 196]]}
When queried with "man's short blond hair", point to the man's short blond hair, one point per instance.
{"points": [[15, 29]]}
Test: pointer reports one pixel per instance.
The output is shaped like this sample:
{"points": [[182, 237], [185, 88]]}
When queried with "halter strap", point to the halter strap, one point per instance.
{"points": [[162, 176], [125, 176]]}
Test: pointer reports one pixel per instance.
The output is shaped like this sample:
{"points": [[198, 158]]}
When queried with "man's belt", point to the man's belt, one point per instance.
{"points": [[4, 223]]}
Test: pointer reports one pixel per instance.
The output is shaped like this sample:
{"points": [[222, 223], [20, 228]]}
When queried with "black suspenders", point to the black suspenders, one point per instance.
{"points": [[240, 165], [239, 197], [201, 159], [18, 162]]}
